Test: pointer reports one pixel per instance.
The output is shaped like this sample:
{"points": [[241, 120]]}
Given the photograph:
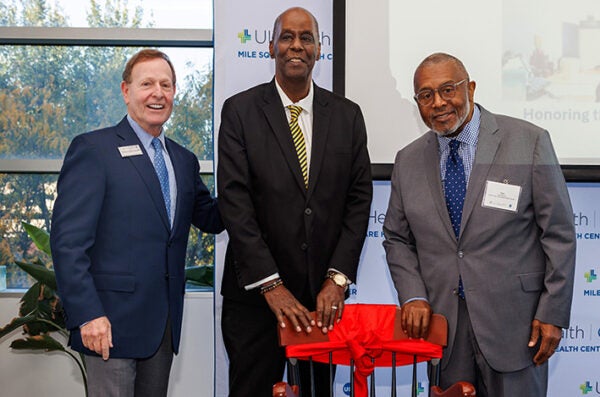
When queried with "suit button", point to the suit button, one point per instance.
{"points": [[307, 211], [304, 247], [461, 254], [166, 276]]}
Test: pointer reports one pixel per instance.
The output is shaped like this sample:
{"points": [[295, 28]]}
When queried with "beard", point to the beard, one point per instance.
{"points": [[454, 129]]}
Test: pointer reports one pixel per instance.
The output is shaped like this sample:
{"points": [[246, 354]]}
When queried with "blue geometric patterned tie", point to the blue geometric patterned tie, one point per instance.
{"points": [[455, 188], [161, 172]]}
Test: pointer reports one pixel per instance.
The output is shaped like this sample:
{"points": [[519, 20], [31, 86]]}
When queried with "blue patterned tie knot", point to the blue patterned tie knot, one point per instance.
{"points": [[455, 188], [163, 175]]}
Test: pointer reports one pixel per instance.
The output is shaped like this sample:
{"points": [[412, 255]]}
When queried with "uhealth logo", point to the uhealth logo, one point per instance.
{"points": [[420, 388], [590, 276], [244, 36], [586, 388]]}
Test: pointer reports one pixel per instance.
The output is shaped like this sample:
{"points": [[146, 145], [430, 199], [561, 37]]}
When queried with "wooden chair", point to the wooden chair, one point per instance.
{"points": [[368, 336]]}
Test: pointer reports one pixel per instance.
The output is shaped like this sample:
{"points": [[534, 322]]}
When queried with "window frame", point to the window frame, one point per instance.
{"points": [[98, 37]]}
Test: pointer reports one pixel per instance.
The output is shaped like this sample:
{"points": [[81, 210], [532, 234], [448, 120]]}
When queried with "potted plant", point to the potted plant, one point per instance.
{"points": [[40, 310]]}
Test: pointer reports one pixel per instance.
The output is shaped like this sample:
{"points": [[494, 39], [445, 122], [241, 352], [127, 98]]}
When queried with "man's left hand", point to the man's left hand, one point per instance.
{"points": [[551, 335], [330, 305]]}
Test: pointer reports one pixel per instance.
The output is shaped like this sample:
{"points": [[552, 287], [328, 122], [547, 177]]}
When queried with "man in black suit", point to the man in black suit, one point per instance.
{"points": [[295, 192]]}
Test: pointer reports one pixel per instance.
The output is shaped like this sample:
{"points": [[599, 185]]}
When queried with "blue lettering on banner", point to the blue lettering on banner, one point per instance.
{"points": [[591, 236], [590, 349], [253, 54], [591, 292], [246, 54], [567, 349]]}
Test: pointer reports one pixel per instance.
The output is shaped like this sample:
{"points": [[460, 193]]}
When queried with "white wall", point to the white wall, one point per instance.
{"points": [[55, 374]]}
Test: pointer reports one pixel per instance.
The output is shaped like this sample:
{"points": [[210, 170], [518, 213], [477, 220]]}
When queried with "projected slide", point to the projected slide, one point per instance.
{"points": [[536, 60]]}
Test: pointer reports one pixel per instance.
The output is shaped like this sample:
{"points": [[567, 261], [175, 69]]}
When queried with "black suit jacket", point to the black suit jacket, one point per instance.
{"points": [[275, 224]]}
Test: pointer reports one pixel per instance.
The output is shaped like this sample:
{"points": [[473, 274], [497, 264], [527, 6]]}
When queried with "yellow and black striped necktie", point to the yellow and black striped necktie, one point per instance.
{"points": [[299, 143]]}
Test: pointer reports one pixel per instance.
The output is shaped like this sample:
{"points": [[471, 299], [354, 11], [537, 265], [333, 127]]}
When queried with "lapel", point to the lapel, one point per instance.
{"points": [[321, 117], [431, 165], [177, 162], [144, 167], [488, 143], [275, 114]]}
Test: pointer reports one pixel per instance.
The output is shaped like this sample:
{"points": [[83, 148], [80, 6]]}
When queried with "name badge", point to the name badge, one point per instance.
{"points": [[501, 196], [131, 150]]}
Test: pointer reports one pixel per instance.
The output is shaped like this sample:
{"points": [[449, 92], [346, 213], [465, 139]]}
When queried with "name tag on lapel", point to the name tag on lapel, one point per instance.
{"points": [[131, 150], [501, 196]]}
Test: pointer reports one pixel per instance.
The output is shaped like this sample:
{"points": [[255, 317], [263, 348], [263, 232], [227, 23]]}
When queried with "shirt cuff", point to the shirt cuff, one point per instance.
{"points": [[261, 282], [417, 298]]}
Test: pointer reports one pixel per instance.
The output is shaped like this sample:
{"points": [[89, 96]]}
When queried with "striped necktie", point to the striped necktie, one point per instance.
{"points": [[299, 143]]}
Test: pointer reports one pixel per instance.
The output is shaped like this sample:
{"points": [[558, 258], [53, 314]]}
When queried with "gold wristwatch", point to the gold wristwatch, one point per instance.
{"points": [[338, 279]]}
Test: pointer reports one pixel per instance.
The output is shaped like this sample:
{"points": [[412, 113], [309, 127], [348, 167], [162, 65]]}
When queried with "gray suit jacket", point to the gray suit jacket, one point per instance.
{"points": [[515, 266]]}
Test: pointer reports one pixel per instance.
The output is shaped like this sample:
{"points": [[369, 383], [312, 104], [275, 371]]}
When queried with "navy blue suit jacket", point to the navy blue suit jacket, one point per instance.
{"points": [[114, 252]]}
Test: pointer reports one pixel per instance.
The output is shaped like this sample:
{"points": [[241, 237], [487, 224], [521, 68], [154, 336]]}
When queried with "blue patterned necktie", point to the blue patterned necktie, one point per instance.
{"points": [[163, 175], [455, 188]]}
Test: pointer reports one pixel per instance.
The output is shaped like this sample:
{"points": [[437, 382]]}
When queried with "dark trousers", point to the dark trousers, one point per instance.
{"points": [[256, 362], [125, 377], [467, 363]]}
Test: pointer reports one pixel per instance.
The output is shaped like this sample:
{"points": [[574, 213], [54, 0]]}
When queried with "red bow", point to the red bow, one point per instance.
{"points": [[366, 335]]}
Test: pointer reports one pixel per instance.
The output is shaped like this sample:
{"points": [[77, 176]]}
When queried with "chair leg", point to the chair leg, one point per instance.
{"points": [[330, 374], [433, 372], [313, 392], [351, 378], [414, 378], [293, 373], [394, 392], [372, 392]]}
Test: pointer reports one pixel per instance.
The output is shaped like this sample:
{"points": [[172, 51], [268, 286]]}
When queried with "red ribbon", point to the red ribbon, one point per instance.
{"points": [[366, 335]]}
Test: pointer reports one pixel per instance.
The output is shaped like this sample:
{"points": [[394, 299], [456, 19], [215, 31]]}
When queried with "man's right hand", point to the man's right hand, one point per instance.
{"points": [[416, 316], [96, 335], [284, 304]]}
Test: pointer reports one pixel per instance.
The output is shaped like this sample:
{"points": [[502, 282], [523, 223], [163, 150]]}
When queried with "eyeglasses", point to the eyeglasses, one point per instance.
{"points": [[447, 91]]}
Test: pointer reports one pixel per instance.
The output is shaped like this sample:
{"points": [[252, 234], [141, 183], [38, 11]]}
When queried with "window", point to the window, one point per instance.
{"points": [[60, 74]]}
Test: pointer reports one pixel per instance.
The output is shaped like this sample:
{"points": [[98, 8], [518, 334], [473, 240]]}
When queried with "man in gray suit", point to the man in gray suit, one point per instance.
{"points": [[480, 229]]}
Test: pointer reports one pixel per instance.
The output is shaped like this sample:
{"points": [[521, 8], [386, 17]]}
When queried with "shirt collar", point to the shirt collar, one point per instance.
{"points": [[305, 103], [143, 136], [469, 135]]}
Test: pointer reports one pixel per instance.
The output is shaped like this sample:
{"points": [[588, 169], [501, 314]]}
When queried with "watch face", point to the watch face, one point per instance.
{"points": [[339, 280]]}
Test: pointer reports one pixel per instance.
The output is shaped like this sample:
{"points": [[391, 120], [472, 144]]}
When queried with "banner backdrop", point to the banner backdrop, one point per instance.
{"points": [[242, 33]]}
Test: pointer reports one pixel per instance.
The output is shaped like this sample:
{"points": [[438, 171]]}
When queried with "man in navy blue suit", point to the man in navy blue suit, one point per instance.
{"points": [[127, 196]]}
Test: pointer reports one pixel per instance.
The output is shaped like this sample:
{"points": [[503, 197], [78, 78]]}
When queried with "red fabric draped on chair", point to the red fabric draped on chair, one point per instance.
{"points": [[367, 334]]}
